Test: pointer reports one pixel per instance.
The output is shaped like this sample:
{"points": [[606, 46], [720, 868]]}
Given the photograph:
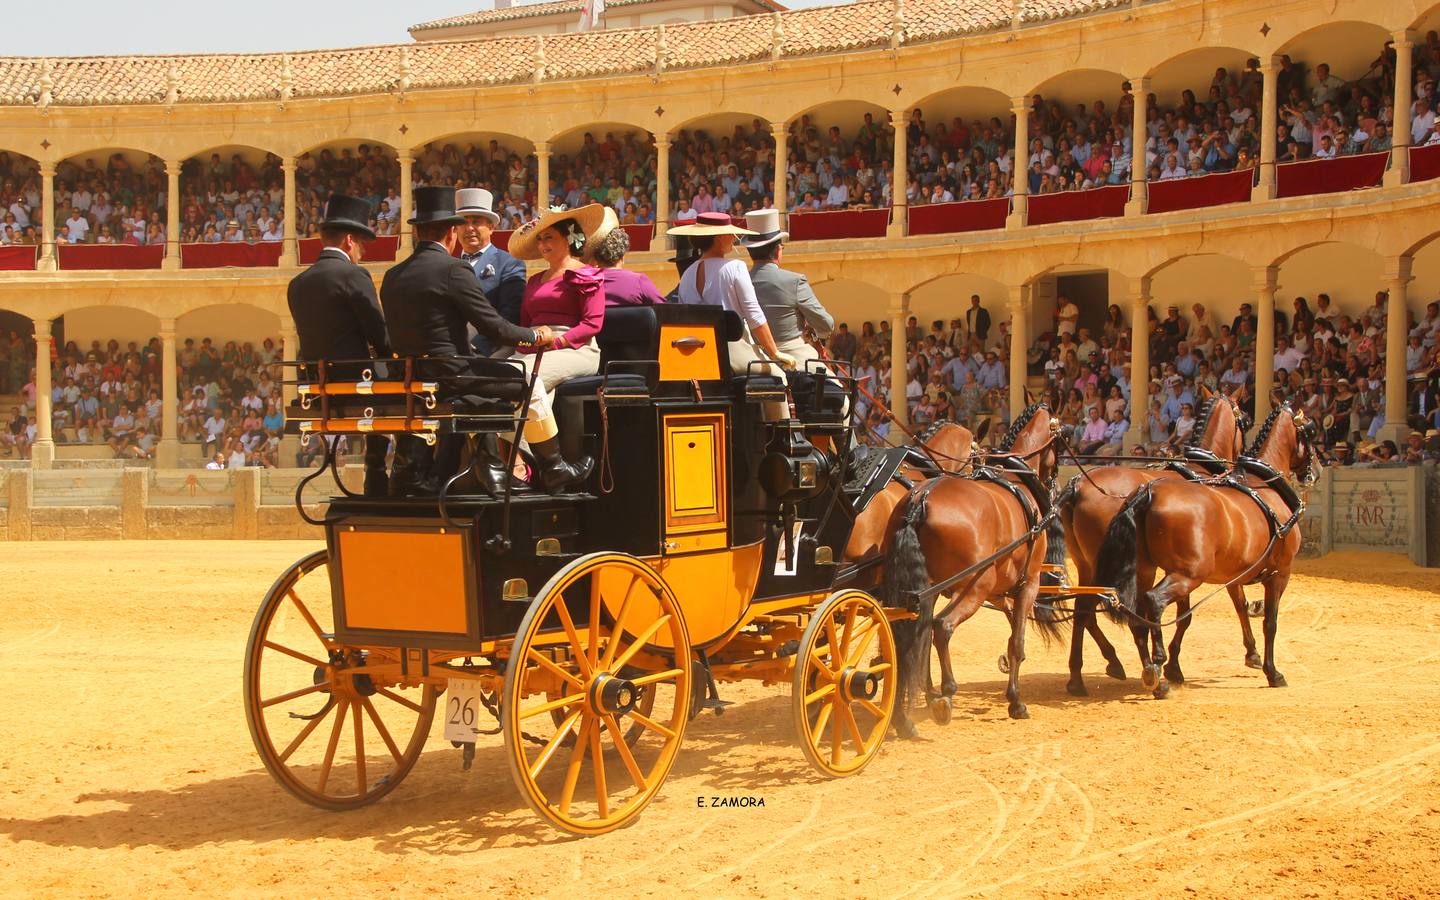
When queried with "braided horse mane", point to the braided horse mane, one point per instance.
{"points": [[1019, 424], [1264, 433], [933, 429], [1202, 421]]}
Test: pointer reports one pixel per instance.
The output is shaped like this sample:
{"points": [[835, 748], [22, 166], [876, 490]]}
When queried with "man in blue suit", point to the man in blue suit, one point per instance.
{"points": [[501, 276]]}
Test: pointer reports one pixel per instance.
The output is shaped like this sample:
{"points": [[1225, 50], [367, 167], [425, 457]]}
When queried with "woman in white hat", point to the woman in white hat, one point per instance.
{"points": [[718, 281], [568, 298]]}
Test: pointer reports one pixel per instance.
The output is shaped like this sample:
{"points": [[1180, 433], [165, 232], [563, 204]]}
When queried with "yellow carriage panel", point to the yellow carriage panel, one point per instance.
{"points": [[689, 352], [405, 580], [695, 473], [714, 589]]}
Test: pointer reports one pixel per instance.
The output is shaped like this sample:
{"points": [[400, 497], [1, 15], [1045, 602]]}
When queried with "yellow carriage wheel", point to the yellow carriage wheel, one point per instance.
{"points": [[587, 771], [331, 721], [845, 682]]}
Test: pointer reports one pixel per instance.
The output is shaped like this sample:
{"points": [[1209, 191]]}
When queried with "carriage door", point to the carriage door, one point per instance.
{"points": [[696, 488]]}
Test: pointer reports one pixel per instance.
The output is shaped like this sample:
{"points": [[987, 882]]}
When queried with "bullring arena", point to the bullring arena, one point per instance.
{"points": [[1141, 301]]}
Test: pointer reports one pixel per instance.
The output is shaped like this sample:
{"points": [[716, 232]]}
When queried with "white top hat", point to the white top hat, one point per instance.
{"points": [[476, 202], [766, 225]]}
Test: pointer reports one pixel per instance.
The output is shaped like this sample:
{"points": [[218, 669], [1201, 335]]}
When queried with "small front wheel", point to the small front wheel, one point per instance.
{"points": [[845, 682]]}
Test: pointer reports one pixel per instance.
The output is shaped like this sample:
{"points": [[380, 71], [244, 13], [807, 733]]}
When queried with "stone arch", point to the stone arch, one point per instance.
{"points": [[480, 159], [18, 169], [1194, 70], [1073, 86], [1427, 21], [582, 154], [1349, 272], [851, 300], [1347, 45], [107, 170], [88, 322], [361, 166], [238, 164], [1218, 281], [236, 320]]}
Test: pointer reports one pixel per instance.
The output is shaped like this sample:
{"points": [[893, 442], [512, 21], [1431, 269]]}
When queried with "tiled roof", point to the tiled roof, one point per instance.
{"points": [[81, 81]]}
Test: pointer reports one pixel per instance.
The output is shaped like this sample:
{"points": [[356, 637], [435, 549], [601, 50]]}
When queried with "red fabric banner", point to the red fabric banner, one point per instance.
{"points": [[110, 256], [1076, 206], [1424, 162], [966, 215], [839, 223], [640, 236], [382, 249], [1196, 193], [501, 239], [19, 258], [224, 255], [1329, 176]]}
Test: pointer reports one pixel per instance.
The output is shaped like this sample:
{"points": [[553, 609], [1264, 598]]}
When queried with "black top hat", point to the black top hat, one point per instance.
{"points": [[435, 206], [348, 213]]}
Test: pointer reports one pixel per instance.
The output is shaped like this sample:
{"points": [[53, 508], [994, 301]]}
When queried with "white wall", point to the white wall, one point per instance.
{"points": [[102, 323]]}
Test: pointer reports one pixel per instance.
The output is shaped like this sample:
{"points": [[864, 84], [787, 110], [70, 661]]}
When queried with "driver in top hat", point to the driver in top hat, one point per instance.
{"points": [[501, 276], [429, 299], [789, 303], [337, 316]]}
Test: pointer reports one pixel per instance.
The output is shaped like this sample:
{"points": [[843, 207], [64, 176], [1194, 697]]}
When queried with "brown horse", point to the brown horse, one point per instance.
{"points": [[1210, 533], [951, 524], [1090, 504], [950, 446]]}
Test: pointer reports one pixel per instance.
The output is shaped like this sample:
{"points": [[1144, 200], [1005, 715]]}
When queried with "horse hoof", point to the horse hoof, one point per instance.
{"points": [[1253, 661], [1076, 689], [1162, 690], [1174, 675], [1115, 670], [1150, 677], [906, 729], [940, 710], [1018, 711], [1255, 608], [1278, 680], [1004, 663]]}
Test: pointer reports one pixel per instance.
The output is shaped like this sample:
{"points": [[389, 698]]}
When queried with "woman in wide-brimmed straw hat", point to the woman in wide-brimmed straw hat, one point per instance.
{"points": [[719, 281], [567, 298]]}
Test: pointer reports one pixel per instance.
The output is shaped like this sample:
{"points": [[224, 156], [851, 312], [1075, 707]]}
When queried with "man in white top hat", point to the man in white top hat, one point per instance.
{"points": [[501, 276], [789, 303]]}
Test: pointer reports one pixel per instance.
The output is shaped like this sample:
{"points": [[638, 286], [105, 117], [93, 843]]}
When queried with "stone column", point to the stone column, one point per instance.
{"points": [[42, 455], [1019, 306], [1399, 172], [662, 187], [167, 453], [899, 311], [172, 215], [900, 177], [1397, 276], [1020, 171], [1139, 187], [1269, 121], [782, 150], [49, 260], [542, 177], [290, 247], [1265, 288], [289, 443], [407, 234], [1139, 363]]}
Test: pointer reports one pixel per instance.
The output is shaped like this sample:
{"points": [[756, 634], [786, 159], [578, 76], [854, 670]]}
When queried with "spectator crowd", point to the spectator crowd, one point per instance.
{"points": [[1329, 363]]}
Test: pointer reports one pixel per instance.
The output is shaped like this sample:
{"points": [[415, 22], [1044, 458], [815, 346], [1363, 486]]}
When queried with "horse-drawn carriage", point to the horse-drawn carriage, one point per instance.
{"points": [[590, 627]]}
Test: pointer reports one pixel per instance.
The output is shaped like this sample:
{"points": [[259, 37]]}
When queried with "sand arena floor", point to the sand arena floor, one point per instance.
{"points": [[127, 768]]}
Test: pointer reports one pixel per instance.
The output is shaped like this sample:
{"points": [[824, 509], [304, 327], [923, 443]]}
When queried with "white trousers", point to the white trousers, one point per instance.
{"points": [[558, 366]]}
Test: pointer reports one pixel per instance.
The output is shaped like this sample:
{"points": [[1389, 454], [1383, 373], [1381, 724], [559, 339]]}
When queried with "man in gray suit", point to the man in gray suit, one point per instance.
{"points": [[786, 297]]}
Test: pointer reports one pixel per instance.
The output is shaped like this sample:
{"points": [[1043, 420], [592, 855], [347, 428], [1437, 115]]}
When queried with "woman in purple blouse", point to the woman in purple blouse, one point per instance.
{"points": [[623, 287], [569, 299]]}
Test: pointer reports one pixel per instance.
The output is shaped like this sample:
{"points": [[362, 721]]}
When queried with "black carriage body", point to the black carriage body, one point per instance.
{"points": [[677, 484]]}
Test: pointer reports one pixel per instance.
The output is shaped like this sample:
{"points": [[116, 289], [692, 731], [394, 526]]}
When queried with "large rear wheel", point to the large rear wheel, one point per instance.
{"points": [[332, 722], [844, 689], [586, 770]]}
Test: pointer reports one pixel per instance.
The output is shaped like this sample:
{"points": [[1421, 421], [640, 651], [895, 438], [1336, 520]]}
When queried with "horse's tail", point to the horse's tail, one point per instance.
{"points": [[906, 573], [1120, 550], [1047, 620]]}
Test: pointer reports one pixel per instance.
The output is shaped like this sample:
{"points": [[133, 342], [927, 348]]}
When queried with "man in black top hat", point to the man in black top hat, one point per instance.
{"points": [[337, 315], [428, 300]]}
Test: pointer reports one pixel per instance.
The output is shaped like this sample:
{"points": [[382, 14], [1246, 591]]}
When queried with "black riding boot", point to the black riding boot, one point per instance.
{"points": [[489, 467], [377, 483], [413, 463], [555, 473]]}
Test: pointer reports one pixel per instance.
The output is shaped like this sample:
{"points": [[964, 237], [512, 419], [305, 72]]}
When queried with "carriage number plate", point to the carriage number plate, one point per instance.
{"points": [[463, 709]]}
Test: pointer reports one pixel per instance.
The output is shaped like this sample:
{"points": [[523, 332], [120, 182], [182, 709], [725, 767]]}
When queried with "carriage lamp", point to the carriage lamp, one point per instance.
{"points": [[793, 469]]}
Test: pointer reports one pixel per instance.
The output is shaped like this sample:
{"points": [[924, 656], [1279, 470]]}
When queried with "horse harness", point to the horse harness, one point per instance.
{"points": [[1274, 481]]}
